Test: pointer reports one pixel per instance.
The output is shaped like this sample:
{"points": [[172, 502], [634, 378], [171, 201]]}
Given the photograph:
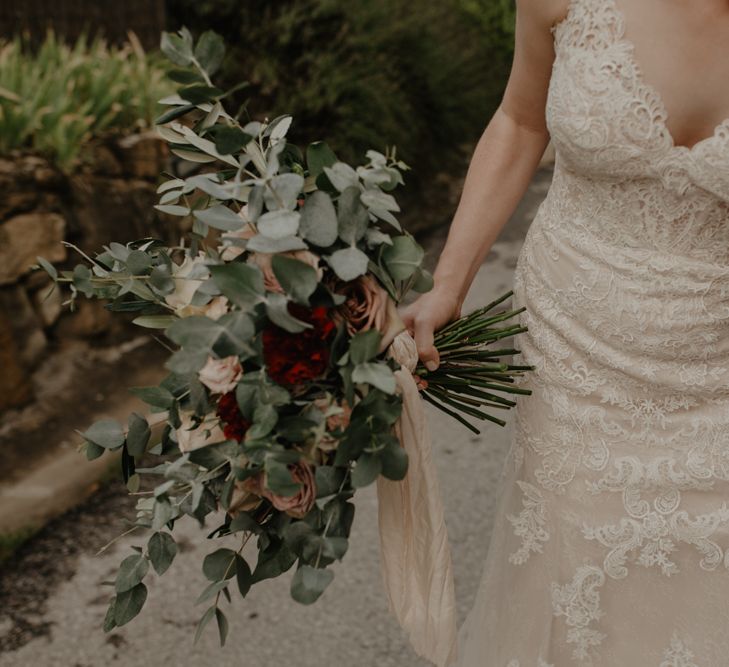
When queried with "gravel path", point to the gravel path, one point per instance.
{"points": [[52, 603]]}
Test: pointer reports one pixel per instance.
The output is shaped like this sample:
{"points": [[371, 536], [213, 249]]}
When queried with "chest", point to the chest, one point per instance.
{"points": [[608, 120], [683, 52]]}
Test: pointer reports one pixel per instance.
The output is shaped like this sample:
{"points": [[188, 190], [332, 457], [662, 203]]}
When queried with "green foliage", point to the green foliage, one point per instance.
{"points": [[53, 101], [420, 74], [497, 19]]}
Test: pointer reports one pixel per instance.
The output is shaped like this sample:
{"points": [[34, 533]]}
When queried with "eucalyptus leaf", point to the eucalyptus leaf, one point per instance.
{"points": [[202, 623], [261, 243], [279, 479], [298, 279], [230, 139], [342, 176], [220, 217], [366, 470], [138, 434], [282, 191], [279, 224], [244, 577], [403, 257], [394, 461], [308, 583], [364, 346], [222, 625], [209, 51], [154, 321], [319, 220], [158, 397], [177, 48], [348, 263], [278, 312], [209, 184], [377, 374], [352, 216], [131, 572], [318, 156], [162, 550], [219, 565], [106, 433], [129, 603], [47, 267], [241, 283]]}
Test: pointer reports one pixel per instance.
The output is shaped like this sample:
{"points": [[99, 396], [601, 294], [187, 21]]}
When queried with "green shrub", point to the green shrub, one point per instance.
{"points": [[497, 19], [419, 75], [55, 100]]}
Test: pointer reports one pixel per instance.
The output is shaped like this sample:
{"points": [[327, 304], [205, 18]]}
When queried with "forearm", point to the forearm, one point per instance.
{"points": [[501, 169]]}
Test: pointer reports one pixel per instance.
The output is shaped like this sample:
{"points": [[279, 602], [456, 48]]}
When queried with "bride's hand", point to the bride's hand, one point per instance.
{"points": [[424, 316]]}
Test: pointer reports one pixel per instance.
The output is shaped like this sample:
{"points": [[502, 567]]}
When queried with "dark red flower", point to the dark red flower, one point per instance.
{"points": [[295, 358], [235, 424]]}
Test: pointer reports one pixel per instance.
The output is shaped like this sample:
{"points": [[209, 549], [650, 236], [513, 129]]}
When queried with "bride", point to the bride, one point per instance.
{"points": [[611, 544]]}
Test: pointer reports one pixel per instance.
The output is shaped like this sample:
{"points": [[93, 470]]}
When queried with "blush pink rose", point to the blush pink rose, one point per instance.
{"points": [[367, 305], [336, 419], [221, 375], [298, 505]]}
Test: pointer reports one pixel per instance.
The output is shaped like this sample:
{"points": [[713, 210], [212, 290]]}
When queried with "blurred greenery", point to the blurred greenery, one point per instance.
{"points": [[425, 76], [55, 99]]}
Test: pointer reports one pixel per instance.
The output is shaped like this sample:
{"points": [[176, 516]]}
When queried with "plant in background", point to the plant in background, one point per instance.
{"points": [[279, 312], [364, 73], [55, 100]]}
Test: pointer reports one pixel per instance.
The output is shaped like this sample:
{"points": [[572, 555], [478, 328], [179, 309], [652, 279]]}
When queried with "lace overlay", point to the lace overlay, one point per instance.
{"points": [[611, 543]]}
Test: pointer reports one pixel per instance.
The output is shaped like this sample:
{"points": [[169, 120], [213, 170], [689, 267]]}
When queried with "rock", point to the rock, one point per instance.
{"points": [[88, 320], [104, 162], [24, 237], [25, 325], [15, 386], [111, 209], [143, 155], [48, 304]]}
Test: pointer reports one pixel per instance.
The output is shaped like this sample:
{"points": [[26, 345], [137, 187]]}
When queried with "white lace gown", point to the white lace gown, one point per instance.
{"points": [[611, 543]]}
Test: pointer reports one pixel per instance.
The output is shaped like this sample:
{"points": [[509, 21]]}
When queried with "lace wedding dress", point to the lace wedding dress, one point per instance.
{"points": [[611, 543]]}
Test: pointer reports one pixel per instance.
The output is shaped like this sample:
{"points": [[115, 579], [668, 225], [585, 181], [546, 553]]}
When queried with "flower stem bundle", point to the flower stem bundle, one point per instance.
{"points": [[472, 379]]}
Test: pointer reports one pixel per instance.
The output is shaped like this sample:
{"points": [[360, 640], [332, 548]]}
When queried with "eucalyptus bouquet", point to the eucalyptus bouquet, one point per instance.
{"points": [[278, 311]]}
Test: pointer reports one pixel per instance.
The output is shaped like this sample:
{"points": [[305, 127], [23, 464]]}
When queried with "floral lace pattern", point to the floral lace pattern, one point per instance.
{"points": [[611, 542], [579, 602], [677, 655]]}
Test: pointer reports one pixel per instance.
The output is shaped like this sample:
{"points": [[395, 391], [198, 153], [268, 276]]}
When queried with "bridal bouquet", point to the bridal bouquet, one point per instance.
{"points": [[279, 314]]}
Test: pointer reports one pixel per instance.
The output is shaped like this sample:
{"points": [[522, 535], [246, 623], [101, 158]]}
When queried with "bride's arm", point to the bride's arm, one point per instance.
{"points": [[500, 171]]}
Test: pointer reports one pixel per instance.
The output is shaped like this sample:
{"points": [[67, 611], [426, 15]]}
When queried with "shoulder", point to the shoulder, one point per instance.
{"points": [[542, 14]]}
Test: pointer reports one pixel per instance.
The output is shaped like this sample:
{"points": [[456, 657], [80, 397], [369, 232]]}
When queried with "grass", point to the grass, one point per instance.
{"points": [[55, 100]]}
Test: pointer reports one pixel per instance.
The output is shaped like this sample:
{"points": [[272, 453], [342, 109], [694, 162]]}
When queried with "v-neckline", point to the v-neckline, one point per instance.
{"points": [[642, 82]]}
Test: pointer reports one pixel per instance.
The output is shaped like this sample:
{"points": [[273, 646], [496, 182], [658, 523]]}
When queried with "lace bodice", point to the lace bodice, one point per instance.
{"points": [[609, 126], [611, 542]]}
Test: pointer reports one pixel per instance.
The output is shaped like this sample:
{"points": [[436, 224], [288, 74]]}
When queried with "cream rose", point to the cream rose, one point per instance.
{"points": [[215, 309], [185, 287], [221, 375], [190, 439]]}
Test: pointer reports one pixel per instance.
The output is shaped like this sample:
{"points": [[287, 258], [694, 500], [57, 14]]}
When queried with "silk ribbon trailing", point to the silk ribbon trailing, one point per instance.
{"points": [[414, 547]]}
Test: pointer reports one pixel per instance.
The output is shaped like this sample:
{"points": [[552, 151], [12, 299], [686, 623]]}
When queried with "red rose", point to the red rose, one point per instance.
{"points": [[295, 358], [235, 424]]}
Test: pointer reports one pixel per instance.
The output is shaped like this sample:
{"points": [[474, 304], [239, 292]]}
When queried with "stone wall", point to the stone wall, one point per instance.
{"points": [[40, 207]]}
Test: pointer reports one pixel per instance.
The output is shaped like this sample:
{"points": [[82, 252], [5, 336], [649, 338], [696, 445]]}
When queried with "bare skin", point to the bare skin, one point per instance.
{"points": [[673, 41]]}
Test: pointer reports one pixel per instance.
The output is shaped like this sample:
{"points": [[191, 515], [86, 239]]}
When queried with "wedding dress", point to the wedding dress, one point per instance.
{"points": [[611, 542]]}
